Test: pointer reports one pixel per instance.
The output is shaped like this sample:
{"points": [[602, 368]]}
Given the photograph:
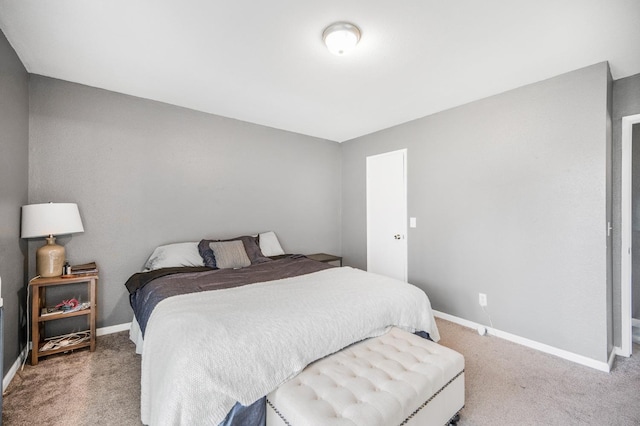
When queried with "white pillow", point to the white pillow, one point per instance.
{"points": [[170, 255], [269, 244]]}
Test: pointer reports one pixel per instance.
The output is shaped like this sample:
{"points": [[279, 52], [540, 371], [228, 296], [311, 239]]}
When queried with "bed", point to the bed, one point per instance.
{"points": [[215, 341]]}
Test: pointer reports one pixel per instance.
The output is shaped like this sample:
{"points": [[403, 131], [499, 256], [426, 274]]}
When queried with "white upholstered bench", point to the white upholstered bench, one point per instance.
{"points": [[395, 379]]}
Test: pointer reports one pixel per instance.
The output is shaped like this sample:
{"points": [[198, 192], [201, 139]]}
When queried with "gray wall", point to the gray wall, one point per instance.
{"points": [[146, 173], [515, 184], [510, 197], [14, 166], [626, 101]]}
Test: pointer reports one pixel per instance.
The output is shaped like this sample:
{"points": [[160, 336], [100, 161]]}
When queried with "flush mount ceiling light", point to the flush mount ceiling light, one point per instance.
{"points": [[341, 37]]}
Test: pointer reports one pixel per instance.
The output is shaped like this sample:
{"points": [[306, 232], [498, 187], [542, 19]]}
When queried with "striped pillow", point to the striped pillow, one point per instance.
{"points": [[230, 254]]}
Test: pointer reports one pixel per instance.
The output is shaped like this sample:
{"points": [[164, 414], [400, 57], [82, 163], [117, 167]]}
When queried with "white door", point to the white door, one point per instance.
{"points": [[387, 214]]}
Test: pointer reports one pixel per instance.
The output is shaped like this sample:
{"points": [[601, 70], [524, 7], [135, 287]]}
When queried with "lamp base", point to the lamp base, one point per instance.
{"points": [[50, 258]]}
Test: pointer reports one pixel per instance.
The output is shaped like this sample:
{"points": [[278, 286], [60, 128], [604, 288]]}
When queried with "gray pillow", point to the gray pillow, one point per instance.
{"points": [[250, 245], [230, 254]]}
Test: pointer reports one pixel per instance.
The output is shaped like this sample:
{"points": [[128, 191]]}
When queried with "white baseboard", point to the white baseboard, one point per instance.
{"points": [[14, 368], [25, 352], [113, 329], [570, 356], [457, 320]]}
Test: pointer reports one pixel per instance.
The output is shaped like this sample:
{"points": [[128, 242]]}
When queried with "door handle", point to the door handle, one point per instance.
{"points": [[397, 236]]}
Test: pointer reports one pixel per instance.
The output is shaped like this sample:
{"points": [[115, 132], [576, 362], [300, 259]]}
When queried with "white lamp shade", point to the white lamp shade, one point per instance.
{"points": [[40, 220], [341, 38]]}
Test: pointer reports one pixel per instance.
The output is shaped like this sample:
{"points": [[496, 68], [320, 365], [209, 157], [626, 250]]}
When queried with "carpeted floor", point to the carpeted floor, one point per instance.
{"points": [[506, 384], [80, 388]]}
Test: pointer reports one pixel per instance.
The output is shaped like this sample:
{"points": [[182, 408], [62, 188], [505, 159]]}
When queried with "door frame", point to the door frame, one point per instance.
{"points": [[626, 234], [405, 209]]}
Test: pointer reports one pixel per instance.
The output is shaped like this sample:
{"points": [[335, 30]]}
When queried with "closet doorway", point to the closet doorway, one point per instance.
{"points": [[630, 233]]}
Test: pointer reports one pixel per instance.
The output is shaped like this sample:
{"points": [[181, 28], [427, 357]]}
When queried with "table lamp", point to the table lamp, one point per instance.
{"points": [[47, 220]]}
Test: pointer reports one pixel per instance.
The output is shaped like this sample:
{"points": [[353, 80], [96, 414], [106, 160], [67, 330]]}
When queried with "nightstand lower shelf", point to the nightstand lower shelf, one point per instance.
{"points": [[86, 342]]}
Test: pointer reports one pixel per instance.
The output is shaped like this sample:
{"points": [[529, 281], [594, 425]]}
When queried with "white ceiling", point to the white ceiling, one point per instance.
{"points": [[264, 61]]}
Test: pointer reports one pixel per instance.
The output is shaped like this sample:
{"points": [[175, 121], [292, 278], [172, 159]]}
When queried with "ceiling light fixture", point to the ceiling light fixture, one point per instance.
{"points": [[341, 37]]}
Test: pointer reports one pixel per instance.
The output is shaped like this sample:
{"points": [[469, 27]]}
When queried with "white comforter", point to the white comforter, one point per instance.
{"points": [[205, 351]]}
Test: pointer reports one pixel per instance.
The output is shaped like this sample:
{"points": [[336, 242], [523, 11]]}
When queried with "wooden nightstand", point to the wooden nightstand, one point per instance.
{"points": [[326, 258], [38, 302]]}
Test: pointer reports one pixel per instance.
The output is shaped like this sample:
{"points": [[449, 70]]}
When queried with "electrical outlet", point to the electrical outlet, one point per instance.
{"points": [[482, 299]]}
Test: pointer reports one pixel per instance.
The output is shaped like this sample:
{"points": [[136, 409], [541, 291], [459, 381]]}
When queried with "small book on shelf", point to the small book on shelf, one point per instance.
{"points": [[87, 268]]}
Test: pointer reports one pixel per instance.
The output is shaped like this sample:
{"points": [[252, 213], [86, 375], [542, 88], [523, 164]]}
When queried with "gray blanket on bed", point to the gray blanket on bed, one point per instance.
{"points": [[150, 288]]}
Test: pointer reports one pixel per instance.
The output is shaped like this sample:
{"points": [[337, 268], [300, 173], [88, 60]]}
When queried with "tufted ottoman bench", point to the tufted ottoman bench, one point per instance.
{"points": [[395, 379]]}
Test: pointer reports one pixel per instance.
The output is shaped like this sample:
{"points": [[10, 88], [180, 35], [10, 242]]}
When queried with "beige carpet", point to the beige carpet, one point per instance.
{"points": [[80, 388], [507, 384]]}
